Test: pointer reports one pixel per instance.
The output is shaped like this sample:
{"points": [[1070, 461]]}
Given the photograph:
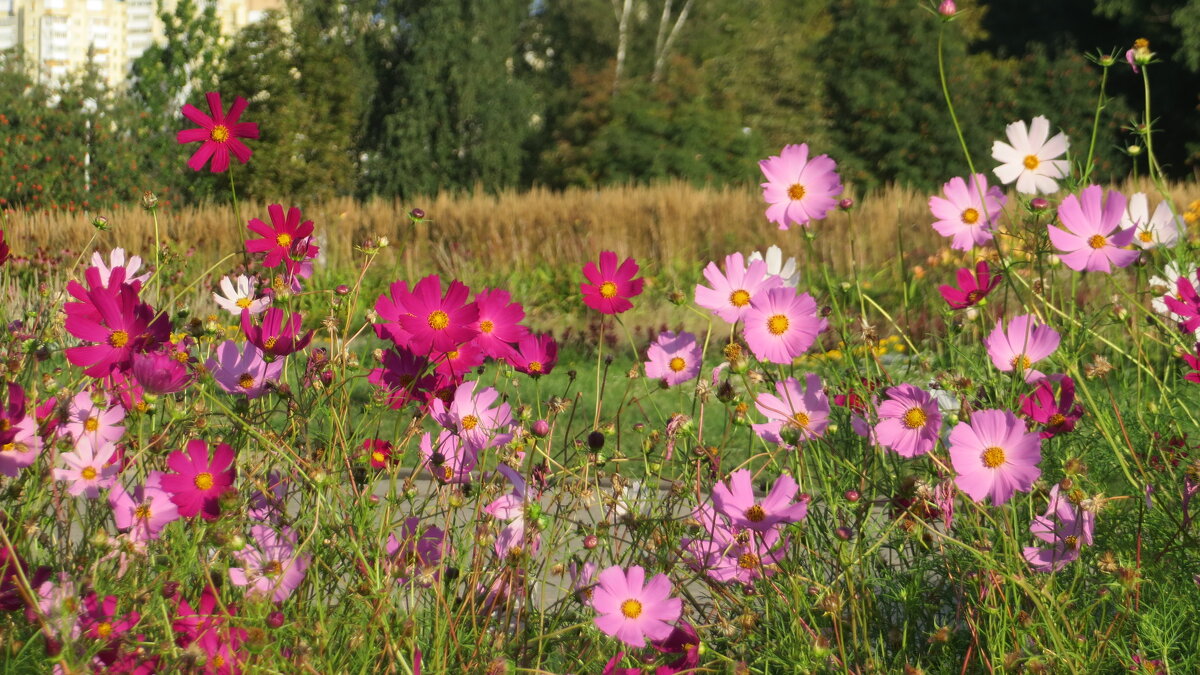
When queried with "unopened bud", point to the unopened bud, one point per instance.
{"points": [[100, 223], [541, 428], [947, 8], [846, 204]]}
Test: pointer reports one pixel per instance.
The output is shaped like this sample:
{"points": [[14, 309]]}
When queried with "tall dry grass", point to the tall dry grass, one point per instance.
{"points": [[661, 225]]}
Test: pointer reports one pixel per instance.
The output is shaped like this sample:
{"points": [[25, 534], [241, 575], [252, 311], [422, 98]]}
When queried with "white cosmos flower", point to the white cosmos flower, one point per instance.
{"points": [[116, 258], [778, 267], [1029, 159], [241, 297], [1161, 229]]}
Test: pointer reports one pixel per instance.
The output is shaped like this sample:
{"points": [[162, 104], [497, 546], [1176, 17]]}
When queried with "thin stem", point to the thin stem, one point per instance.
{"points": [[1088, 166]]}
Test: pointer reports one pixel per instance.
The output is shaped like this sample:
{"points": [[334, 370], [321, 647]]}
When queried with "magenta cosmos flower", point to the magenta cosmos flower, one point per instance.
{"points": [[632, 610], [909, 421], [994, 456], [99, 620], [731, 292], [1093, 240], [239, 372], [285, 241], [417, 551], [1023, 344], [1065, 527], [1193, 362], [782, 325], [738, 503], [972, 288], [674, 359], [1054, 415], [794, 410], [271, 566], [432, 322], [163, 371], [115, 319], [499, 323], [610, 286], [198, 482], [218, 134], [535, 355], [799, 189], [277, 336], [1185, 303], [404, 377], [968, 213], [379, 453]]}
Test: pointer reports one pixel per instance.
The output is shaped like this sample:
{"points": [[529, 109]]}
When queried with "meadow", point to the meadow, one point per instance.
{"points": [[589, 432]]}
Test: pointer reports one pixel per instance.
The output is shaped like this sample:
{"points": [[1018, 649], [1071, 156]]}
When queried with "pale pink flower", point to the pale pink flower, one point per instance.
{"points": [[731, 292], [1023, 344], [800, 411], [674, 359], [994, 456], [92, 424], [87, 469], [1093, 240], [239, 293], [116, 258], [799, 189], [630, 609], [968, 213], [1161, 229]]}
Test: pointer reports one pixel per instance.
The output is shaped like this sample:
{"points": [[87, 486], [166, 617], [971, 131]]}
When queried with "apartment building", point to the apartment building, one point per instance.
{"points": [[57, 35]]}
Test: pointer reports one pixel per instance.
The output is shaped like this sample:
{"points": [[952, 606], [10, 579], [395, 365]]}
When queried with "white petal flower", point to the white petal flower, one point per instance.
{"points": [[241, 297], [116, 258], [778, 267], [1161, 229], [1029, 159]]}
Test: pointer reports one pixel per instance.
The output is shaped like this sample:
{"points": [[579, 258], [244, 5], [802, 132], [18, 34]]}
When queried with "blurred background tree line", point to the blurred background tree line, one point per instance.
{"points": [[398, 98]]}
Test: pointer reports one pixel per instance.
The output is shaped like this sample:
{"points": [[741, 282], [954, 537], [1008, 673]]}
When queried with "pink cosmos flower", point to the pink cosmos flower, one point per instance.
{"points": [[271, 566], [516, 538], [276, 336], [1023, 344], [1030, 159], [1066, 527], [88, 469], [145, 511], [114, 318], [1185, 304], [994, 456], [499, 323], [403, 377], [535, 355], [674, 359], [1093, 240], [417, 552], [801, 412], [240, 372], [971, 288], [93, 425], [968, 214], [1193, 362], [433, 322], [609, 286], [19, 440], [209, 628], [632, 610], [1162, 229], [198, 482], [1054, 416], [458, 362], [472, 416], [735, 556], [738, 503], [449, 459], [116, 258], [162, 371], [218, 134], [909, 421], [286, 240], [781, 325], [240, 294], [799, 189], [731, 292]]}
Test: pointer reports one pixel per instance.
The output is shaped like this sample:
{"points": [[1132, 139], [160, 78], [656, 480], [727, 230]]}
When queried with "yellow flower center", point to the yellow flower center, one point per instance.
{"points": [[1056, 419], [1031, 162], [104, 629], [470, 422], [739, 298], [608, 290], [486, 326], [118, 339], [1146, 236], [91, 424], [1097, 241], [972, 297], [800, 420], [970, 216], [244, 302], [535, 366], [8, 447], [273, 568], [181, 357], [1141, 43], [378, 456], [1071, 542], [447, 472], [777, 325], [438, 320], [993, 457], [246, 381], [1020, 362], [219, 133], [631, 608], [142, 512], [677, 364], [88, 473], [5, 424], [796, 192], [218, 661], [284, 240], [203, 481], [269, 343], [755, 514], [748, 561], [915, 418]]}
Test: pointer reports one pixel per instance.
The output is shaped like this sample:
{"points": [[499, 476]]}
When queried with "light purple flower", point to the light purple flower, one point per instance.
{"points": [[674, 359], [239, 372], [271, 566], [804, 412], [1066, 527], [473, 417]]}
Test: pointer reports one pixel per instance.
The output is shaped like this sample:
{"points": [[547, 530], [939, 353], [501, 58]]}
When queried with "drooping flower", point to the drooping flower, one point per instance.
{"points": [[163, 371], [240, 295], [730, 294], [218, 134], [88, 469], [777, 266], [971, 287], [239, 372], [144, 511], [1030, 159], [968, 213], [1023, 344], [1093, 240], [198, 482], [674, 359], [499, 323], [270, 567], [1055, 415], [535, 355], [449, 459], [738, 502], [910, 421], [277, 336], [116, 258], [285, 241], [803, 412], [781, 325], [610, 286], [994, 456], [630, 609], [1162, 229], [799, 189], [472, 416], [431, 322], [1066, 527]]}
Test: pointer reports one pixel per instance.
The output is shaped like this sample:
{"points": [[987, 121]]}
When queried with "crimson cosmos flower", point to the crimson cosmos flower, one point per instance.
{"points": [[218, 134]]}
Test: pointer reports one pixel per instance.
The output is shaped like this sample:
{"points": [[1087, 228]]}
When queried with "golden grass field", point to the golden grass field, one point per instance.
{"points": [[661, 225]]}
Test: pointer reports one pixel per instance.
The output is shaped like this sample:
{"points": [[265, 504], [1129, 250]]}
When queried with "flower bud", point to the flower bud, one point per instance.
{"points": [[846, 204], [342, 289], [595, 440], [1039, 204], [541, 428], [1134, 150], [100, 223], [590, 541], [947, 8], [275, 619], [852, 496]]}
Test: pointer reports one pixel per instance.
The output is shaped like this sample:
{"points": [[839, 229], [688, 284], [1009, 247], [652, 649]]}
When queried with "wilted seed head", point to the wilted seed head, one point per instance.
{"points": [[940, 636], [149, 201], [733, 352], [676, 297], [1107, 562], [1099, 367], [1075, 466]]}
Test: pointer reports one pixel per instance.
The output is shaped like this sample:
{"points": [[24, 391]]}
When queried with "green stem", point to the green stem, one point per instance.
{"points": [[1087, 167], [950, 105]]}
